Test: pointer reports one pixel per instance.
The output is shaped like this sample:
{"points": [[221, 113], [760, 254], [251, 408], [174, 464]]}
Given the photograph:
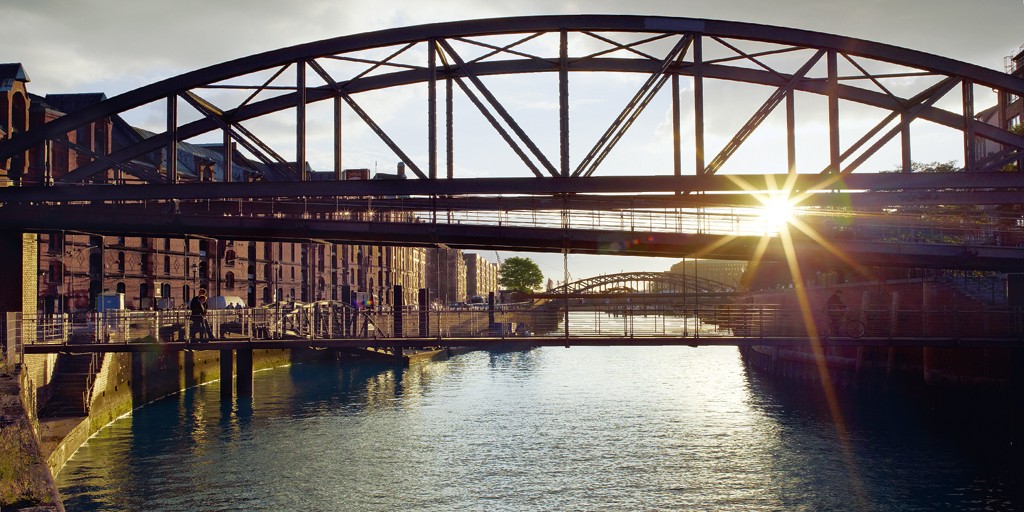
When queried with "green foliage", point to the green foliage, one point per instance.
{"points": [[950, 166], [520, 274]]}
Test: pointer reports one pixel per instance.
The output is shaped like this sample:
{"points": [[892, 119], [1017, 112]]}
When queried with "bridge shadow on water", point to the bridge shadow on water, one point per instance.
{"points": [[948, 443]]}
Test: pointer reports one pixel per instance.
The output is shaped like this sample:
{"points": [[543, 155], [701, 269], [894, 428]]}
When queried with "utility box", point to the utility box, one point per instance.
{"points": [[502, 329], [110, 301]]}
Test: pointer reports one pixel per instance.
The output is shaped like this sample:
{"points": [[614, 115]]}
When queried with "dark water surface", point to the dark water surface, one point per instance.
{"points": [[624, 428]]}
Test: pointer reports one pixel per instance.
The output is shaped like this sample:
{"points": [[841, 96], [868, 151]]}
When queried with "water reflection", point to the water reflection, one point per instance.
{"points": [[911, 450], [652, 428]]}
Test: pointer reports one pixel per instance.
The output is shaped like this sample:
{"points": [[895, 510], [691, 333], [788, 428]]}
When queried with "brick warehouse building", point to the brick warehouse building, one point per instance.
{"points": [[73, 269]]}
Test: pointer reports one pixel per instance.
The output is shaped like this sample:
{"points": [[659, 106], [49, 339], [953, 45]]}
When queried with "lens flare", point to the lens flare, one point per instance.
{"points": [[776, 212]]}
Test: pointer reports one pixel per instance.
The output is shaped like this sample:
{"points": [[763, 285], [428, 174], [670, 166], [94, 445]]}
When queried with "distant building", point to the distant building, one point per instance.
{"points": [[14, 118], [446, 275], [722, 271], [481, 276], [1008, 113]]}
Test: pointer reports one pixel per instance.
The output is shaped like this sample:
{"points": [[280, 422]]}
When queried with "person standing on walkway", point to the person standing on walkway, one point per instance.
{"points": [[197, 314], [836, 308]]}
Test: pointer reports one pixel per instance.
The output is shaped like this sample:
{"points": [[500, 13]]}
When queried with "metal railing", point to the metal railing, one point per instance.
{"points": [[332, 320]]}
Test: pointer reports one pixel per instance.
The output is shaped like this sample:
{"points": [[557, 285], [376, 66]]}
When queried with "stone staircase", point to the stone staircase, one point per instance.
{"points": [[71, 386], [987, 290]]}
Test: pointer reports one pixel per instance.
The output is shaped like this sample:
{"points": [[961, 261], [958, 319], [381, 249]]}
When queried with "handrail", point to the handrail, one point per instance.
{"points": [[333, 320]]}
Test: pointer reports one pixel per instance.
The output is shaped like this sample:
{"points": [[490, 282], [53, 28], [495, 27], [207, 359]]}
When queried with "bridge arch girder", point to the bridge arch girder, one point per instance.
{"points": [[651, 282], [950, 74]]}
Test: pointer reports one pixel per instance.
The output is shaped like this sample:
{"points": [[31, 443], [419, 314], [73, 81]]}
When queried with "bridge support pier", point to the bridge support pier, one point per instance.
{"points": [[227, 369], [244, 379]]}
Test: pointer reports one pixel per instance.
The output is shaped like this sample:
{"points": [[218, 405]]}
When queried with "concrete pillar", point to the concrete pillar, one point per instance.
{"points": [[227, 368], [244, 379], [19, 255]]}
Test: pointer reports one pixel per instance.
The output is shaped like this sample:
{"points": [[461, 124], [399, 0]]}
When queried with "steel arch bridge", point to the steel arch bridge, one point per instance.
{"points": [[643, 282], [140, 187]]}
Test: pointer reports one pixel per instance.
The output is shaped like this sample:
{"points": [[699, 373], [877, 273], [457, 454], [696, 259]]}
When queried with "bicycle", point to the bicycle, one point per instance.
{"points": [[849, 327]]}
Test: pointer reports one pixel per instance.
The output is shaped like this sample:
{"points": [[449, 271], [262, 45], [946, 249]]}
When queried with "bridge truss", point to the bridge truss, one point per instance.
{"points": [[643, 282], [553, 196]]}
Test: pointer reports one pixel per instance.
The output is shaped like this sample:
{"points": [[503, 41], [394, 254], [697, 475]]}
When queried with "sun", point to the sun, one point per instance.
{"points": [[776, 212]]}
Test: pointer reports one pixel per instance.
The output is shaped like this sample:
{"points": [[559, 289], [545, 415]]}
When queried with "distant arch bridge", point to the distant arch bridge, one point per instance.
{"points": [[640, 283], [558, 191]]}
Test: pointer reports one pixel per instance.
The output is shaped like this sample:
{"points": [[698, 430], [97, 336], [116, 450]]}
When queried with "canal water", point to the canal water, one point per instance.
{"points": [[620, 428]]}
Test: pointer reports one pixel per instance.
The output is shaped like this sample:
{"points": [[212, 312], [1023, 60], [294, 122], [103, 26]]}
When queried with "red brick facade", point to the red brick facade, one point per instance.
{"points": [[66, 271]]}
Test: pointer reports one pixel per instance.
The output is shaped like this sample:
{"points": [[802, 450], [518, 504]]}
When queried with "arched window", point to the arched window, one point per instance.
{"points": [[143, 290], [167, 265], [119, 288], [267, 269], [229, 258], [120, 262], [165, 290], [229, 280], [266, 295]]}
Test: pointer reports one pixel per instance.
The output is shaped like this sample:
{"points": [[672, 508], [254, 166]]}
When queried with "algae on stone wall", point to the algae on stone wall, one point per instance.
{"points": [[23, 474]]}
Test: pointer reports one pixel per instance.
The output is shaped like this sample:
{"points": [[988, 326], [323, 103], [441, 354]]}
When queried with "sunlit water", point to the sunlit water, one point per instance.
{"points": [[663, 428]]}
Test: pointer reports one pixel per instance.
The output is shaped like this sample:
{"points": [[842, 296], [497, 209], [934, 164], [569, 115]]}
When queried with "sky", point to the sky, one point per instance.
{"points": [[114, 46]]}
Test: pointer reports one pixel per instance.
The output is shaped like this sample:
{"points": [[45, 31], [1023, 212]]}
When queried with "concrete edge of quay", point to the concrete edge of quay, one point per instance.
{"points": [[127, 381]]}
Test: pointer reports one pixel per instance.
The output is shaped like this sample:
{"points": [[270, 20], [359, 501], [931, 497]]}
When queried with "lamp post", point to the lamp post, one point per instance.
{"points": [[195, 278], [68, 278]]}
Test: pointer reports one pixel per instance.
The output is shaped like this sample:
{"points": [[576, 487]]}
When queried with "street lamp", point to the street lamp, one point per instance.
{"points": [[195, 277], [68, 278]]}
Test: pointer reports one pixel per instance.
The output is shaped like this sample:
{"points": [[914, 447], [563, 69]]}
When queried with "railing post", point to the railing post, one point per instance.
{"points": [[956, 323], [760, 320]]}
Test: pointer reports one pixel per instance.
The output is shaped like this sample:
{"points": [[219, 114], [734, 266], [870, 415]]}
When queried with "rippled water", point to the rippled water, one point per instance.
{"points": [[624, 428]]}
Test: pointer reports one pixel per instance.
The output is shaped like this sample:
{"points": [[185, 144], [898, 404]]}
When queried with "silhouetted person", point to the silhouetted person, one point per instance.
{"points": [[197, 314], [836, 308]]}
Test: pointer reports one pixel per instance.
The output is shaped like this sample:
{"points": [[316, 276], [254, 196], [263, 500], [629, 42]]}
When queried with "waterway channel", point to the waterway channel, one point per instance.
{"points": [[584, 428]]}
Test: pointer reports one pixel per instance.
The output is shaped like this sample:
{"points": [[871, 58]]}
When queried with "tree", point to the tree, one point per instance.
{"points": [[520, 274]]}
